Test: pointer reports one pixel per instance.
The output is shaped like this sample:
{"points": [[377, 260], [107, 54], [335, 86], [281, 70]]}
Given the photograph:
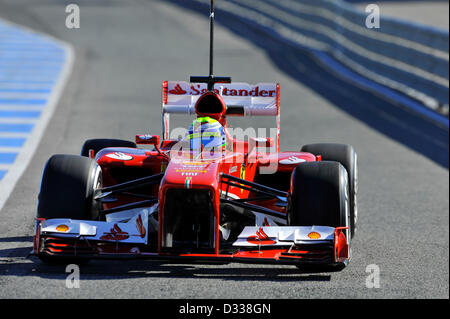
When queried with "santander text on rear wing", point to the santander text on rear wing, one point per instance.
{"points": [[241, 99]]}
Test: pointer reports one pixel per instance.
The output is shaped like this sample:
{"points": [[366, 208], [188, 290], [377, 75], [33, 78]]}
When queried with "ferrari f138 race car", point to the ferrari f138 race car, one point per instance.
{"points": [[207, 196]]}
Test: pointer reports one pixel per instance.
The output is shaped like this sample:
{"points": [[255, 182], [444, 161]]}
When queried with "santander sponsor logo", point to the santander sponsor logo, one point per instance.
{"points": [[115, 233], [177, 90], [198, 89], [261, 238]]}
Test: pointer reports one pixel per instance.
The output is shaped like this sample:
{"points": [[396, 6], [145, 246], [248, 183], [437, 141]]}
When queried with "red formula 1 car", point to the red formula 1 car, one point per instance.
{"points": [[205, 196]]}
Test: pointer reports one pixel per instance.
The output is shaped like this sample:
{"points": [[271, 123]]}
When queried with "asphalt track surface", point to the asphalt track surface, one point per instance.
{"points": [[124, 50]]}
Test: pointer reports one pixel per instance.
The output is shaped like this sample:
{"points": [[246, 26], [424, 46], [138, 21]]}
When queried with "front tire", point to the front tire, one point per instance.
{"points": [[346, 155], [67, 191], [319, 195], [67, 188]]}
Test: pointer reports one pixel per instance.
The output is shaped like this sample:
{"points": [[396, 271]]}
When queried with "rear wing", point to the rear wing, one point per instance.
{"points": [[241, 99]]}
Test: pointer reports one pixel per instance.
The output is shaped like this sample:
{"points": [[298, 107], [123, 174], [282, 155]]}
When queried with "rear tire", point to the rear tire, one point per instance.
{"points": [[346, 155], [100, 143]]}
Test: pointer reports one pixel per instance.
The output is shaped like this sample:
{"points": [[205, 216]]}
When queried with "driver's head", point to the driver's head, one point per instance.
{"points": [[206, 134]]}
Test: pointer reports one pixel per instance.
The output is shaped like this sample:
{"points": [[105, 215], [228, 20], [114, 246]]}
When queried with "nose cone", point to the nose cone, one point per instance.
{"points": [[192, 174]]}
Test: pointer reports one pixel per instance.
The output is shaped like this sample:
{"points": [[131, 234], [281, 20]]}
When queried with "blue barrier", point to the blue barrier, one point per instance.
{"points": [[33, 70], [413, 58], [406, 57]]}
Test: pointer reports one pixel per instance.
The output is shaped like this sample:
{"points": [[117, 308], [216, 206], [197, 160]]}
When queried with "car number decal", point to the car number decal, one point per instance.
{"points": [[120, 156], [292, 160]]}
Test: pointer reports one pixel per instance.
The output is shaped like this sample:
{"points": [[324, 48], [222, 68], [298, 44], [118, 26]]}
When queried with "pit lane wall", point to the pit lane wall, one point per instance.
{"points": [[404, 61]]}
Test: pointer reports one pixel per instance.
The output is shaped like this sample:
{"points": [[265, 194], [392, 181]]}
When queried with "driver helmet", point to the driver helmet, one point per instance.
{"points": [[206, 134]]}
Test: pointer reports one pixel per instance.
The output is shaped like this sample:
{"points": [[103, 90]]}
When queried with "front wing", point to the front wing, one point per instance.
{"points": [[116, 239]]}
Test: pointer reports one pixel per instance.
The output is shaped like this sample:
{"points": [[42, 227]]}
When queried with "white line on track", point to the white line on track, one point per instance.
{"points": [[21, 107], [10, 149]]}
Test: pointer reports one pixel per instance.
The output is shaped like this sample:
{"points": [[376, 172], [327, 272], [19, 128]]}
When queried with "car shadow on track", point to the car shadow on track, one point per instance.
{"points": [[17, 262], [16, 239], [100, 270], [388, 118]]}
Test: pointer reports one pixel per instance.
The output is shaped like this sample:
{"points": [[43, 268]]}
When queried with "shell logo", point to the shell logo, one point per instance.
{"points": [[314, 235], [62, 228]]}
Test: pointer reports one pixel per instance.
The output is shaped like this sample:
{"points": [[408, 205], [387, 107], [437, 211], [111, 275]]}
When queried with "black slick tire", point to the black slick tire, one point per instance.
{"points": [[346, 155]]}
